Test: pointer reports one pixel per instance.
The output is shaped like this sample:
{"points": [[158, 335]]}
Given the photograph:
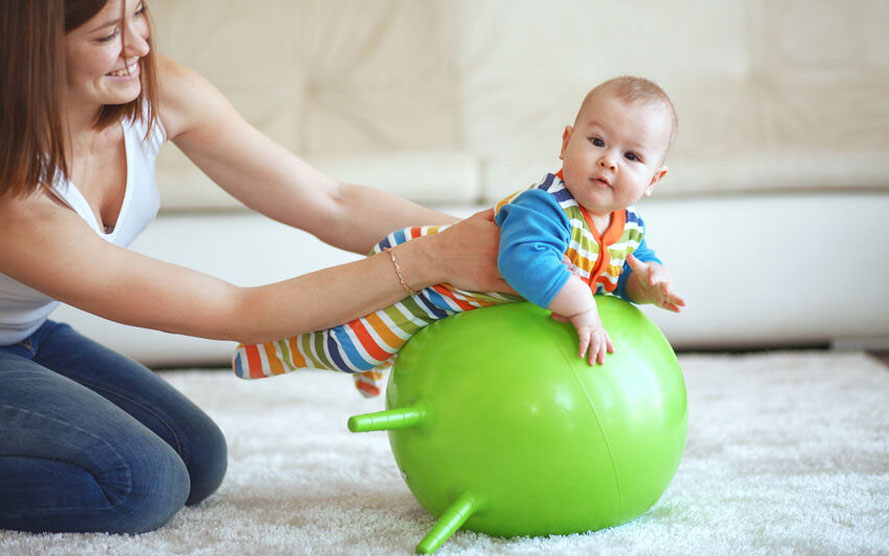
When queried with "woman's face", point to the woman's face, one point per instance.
{"points": [[102, 56]]}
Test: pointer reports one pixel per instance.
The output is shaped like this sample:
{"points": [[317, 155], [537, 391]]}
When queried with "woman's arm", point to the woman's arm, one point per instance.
{"points": [[51, 249], [270, 179]]}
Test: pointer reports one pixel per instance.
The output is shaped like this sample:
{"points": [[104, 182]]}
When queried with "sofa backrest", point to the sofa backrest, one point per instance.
{"points": [[461, 101]]}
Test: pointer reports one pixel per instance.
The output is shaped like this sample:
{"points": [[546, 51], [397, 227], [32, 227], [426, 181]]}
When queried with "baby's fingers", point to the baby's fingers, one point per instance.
{"points": [[606, 348], [595, 355], [669, 300], [584, 344], [674, 304], [600, 347], [635, 264], [675, 299]]}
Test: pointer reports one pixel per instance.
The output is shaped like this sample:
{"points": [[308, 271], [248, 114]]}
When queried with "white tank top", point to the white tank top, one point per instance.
{"points": [[22, 309]]}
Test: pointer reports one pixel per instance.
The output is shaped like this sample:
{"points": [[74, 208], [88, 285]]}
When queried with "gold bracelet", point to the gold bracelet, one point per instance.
{"points": [[398, 271]]}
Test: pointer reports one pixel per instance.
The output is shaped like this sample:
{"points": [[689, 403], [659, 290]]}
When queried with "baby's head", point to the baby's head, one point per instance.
{"points": [[614, 153]]}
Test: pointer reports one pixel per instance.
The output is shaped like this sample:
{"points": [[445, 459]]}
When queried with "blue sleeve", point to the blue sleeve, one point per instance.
{"points": [[534, 234], [645, 254]]}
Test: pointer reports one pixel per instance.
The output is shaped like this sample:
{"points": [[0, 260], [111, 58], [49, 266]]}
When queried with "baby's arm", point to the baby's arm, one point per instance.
{"points": [[645, 279], [575, 302], [533, 238]]}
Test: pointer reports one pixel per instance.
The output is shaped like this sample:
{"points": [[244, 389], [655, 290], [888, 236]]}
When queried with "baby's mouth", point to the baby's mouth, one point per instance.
{"points": [[602, 181]]}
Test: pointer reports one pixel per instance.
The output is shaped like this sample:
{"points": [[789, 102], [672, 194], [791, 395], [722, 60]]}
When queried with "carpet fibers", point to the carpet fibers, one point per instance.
{"points": [[788, 453]]}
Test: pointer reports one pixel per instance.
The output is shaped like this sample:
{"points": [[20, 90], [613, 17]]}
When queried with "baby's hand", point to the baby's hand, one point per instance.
{"points": [[592, 335], [653, 281]]}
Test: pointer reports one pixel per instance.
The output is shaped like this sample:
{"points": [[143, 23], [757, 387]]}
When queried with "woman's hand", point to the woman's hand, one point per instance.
{"points": [[465, 254]]}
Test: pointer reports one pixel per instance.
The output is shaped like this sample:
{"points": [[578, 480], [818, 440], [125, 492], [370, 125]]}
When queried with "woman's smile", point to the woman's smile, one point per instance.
{"points": [[131, 71]]}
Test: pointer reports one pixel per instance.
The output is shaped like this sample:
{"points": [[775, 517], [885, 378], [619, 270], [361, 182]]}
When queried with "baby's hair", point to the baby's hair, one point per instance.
{"points": [[636, 89]]}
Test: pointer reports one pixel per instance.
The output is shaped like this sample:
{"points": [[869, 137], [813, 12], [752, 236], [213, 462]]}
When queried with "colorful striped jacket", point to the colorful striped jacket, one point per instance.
{"points": [[546, 218]]}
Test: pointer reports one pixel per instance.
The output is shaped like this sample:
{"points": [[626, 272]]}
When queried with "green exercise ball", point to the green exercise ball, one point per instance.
{"points": [[498, 425]]}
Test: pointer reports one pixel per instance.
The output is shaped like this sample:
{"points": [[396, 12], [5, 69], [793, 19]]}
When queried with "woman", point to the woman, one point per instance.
{"points": [[91, 441]]}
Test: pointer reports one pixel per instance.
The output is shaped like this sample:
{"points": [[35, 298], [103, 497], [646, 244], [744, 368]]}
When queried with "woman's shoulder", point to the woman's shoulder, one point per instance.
{"points": [[172, 81], [185, 97]]}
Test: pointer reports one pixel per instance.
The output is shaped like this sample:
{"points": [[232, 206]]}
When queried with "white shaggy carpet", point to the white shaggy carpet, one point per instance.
{"points": [[788, 453]]}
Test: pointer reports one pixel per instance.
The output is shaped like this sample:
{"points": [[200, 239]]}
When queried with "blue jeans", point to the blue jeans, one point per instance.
{"points": [[91, 441]]}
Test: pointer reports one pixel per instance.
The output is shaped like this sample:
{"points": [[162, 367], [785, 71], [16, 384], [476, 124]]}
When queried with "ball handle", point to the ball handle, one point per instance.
{"points": [[398, 418], [450, 521]]}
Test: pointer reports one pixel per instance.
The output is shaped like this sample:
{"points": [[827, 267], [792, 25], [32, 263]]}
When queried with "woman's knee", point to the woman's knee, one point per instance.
{"points": [[207, 460], [160, 485], [73, 461], [108, 491]]}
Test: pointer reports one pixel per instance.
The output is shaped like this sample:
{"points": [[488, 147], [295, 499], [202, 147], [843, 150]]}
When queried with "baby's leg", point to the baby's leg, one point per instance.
{"points": [[360, 346], [365, 346], [355, 347]]}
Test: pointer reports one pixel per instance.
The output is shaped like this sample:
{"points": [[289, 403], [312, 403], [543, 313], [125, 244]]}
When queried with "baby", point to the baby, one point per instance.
{"points": [[563, 240]]}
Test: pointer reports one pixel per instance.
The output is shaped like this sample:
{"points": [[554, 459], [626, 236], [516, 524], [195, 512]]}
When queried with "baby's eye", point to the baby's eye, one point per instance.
{"points": [[633, 156], [597, 142]]}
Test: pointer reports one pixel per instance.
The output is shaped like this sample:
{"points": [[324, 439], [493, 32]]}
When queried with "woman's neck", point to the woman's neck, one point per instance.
{"points": [[80, 115], [81, 132]]}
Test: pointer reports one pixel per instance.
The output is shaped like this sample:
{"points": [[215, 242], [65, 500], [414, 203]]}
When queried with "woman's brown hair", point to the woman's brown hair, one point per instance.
{"points": [[32, 81]]}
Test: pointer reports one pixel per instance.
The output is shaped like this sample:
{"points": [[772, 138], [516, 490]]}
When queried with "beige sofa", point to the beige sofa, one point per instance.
{"points": [[769, 217]]}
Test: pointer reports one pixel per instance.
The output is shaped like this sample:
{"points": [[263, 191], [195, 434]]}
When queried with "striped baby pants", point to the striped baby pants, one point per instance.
{"points": [[366, 346]]}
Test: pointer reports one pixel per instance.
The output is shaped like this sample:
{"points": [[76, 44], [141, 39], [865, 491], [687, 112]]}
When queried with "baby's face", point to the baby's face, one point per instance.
{"points": [[613, 155]]}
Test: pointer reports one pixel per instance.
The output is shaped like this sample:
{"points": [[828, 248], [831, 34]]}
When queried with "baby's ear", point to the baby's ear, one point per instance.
{"points": [[658, 176], [566, 136]]}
